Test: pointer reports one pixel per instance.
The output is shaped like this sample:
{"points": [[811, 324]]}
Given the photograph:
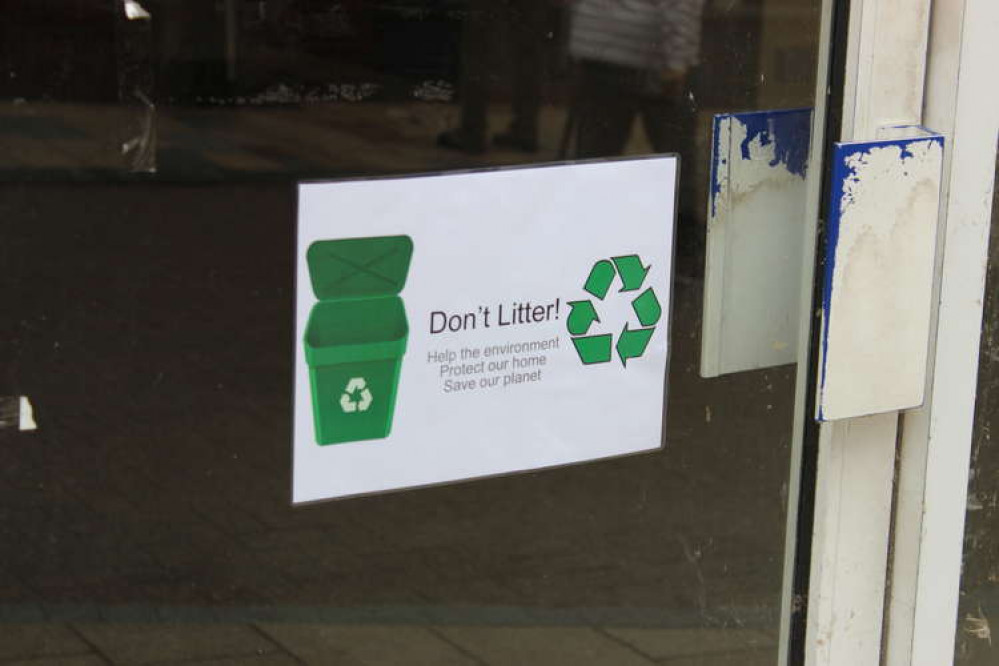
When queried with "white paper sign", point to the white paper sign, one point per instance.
{"points": [[458, 326]]}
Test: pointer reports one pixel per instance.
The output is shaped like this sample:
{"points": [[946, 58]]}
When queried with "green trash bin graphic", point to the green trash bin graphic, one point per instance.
{"points": [[356, 335]]}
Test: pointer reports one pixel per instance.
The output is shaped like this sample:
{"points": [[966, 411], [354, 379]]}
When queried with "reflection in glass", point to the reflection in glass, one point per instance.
{"points": [[150, 277]]}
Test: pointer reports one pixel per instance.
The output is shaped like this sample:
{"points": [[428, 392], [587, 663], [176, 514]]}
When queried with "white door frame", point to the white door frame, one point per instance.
{"points": [[929, 63], [935, 447]]}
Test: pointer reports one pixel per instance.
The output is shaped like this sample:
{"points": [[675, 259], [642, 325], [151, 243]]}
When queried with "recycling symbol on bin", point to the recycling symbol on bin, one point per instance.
{"points": [[631, 341], [356, 396]]}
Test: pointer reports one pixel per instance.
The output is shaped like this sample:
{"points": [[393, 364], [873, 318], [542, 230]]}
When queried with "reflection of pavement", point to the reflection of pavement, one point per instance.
{"points": [[301, 140], [268, 644], [157, 487], [308, 140]]}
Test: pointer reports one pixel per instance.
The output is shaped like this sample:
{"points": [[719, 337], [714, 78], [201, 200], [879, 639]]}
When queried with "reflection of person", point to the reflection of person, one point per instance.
{"points": [[527, 21], [634, 59]]}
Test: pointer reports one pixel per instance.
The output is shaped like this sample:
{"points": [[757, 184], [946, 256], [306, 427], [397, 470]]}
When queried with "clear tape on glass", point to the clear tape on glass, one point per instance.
{"points": [[136, 87]]}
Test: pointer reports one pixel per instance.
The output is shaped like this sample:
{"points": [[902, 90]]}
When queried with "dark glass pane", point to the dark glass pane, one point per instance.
{"points": [[148, 153]]}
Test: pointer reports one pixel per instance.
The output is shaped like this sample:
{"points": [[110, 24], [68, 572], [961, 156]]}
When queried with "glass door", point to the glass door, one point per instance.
{"points": [[149, 152]]}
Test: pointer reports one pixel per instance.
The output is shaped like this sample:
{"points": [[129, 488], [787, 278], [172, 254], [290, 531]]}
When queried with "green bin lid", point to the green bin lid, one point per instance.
{"points": [[359, 267]]}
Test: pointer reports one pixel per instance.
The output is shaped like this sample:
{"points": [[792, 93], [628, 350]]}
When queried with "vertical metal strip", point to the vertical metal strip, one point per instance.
{"points": [[801, 481], [885, 53], [962, 102]]}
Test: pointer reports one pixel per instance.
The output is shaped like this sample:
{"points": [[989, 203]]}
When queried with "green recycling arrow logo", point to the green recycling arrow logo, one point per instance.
{"points": [[632, 341]]}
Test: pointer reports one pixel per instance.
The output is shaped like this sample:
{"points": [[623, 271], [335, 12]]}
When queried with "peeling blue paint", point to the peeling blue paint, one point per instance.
{"points": [[715, 159], [842, 173], [789, 130]]}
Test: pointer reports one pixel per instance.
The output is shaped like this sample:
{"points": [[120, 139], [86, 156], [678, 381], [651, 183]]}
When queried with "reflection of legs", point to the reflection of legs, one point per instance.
{"points": [[473, 86], [528, 27], [669, 123], [475, 76], [605, 111], [526, 22]]}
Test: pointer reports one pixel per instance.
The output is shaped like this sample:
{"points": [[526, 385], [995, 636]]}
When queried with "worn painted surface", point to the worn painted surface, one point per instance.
{"points": [[876, 306], [887, 49], [754, 241], [845, 616]]}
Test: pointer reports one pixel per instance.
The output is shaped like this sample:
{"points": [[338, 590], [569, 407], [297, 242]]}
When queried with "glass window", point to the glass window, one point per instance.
{"points": [[148, 155]]}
